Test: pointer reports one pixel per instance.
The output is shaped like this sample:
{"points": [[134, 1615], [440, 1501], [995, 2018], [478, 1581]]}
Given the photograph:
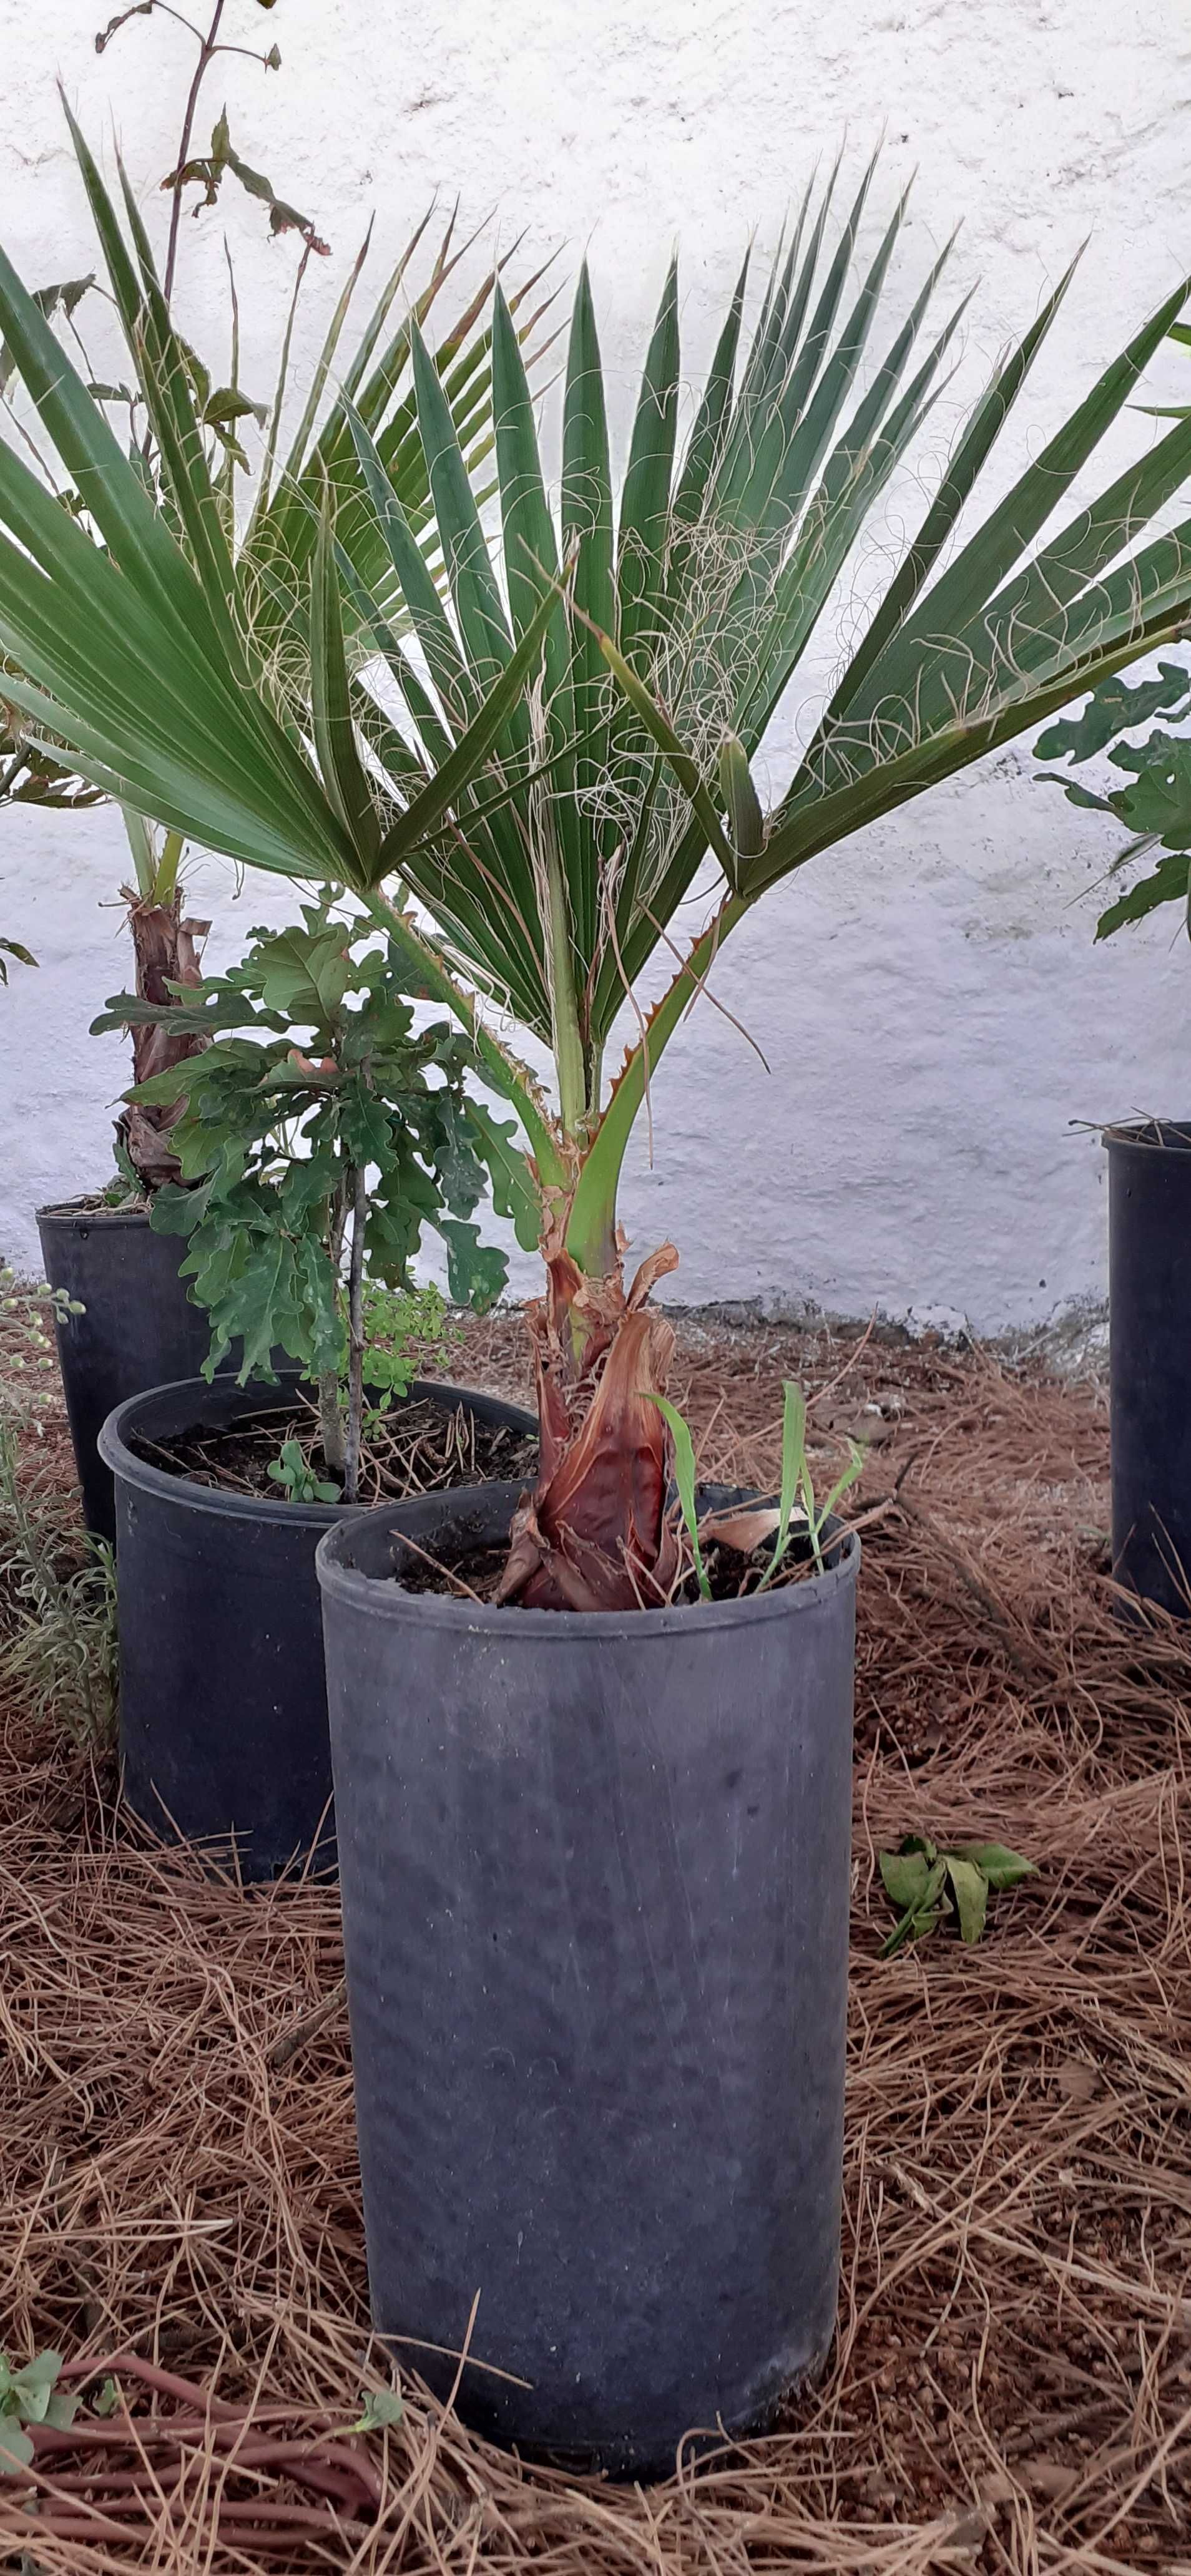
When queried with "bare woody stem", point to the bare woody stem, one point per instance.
{"points": [[330, 1422], [330, 1419], [207, 48], [358, 1182]]}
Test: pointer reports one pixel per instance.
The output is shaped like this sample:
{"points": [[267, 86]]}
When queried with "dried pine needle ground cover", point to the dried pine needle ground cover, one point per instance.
{"points": [[1011, 2387]]}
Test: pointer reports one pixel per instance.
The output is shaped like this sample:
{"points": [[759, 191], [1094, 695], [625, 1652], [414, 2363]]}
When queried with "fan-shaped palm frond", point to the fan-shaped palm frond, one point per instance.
{"points": [[692, 609]]}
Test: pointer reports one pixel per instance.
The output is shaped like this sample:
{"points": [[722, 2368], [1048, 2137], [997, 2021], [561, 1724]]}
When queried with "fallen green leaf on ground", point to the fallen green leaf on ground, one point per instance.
{"points": [[928, 1884]]}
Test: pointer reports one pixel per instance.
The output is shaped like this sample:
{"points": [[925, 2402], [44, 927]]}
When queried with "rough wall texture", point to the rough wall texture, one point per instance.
{"points": [[929, 1002]]}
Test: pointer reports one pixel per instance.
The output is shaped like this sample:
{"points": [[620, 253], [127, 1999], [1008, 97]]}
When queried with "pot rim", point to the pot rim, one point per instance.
{"points": [[378, 1597], [72, 1212], [1149, 1136], [224, 1501]]}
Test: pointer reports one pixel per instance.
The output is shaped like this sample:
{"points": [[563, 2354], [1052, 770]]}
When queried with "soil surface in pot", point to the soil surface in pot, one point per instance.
{"points": [[732, 1574], [94, 1203], [417, 1448]]}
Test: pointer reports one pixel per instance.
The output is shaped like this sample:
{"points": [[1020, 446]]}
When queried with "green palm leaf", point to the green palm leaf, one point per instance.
{"points": [[645, 502]]}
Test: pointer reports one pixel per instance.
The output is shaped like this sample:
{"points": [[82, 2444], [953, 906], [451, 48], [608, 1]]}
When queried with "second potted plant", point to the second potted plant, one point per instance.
{"points": [[126, 1321], [310, 1078]]}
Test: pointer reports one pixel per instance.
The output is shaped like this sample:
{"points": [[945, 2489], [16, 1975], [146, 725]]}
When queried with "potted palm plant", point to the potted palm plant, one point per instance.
{"points": [[600, 2074], [125, 1319], [1149, 1159]]}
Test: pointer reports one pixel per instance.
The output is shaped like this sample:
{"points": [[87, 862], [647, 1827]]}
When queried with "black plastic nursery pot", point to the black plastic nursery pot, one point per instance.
{"points": [[138, 1328], [595, 1875], [223, 1703], [1149, 1218]]}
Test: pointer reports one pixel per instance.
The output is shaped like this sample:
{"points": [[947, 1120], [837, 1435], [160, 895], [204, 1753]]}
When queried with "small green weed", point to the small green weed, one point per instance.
{"points": [[297, 1479], [30, 2396], [58, 1649], [26, 1312], [797, 1514], [405, 1330], [380, 2408]]}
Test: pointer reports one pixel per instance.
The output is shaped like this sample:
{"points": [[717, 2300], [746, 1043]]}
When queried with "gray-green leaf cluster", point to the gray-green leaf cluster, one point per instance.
{"points": [[30, 2396]]}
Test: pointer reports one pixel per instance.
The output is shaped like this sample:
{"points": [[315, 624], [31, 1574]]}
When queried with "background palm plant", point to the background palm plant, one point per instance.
{"points": [[273, 540], [268, 494], [580, 716]]}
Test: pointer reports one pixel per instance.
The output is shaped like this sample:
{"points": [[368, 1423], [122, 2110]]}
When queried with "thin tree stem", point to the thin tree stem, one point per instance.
{"points": [[206, 50], [330, 1419], [355, 1337], [330, 1422]]}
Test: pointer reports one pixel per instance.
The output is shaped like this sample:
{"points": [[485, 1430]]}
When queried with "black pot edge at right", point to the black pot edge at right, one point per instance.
{"points": [[1149, 1228], [1149, 1135]]}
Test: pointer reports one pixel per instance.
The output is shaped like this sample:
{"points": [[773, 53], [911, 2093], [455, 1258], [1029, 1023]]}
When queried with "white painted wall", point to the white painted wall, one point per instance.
{"points": [[929, 1000]]}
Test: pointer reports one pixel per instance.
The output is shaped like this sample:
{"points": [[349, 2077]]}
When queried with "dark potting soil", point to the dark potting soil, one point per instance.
{"points": [[415, 1448], [732, 1575]]}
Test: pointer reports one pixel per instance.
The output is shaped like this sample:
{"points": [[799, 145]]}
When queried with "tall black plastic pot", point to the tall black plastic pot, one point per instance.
{"points": [[138, 1328], [223, 1703], [1149, 1218], [595, 1875]]}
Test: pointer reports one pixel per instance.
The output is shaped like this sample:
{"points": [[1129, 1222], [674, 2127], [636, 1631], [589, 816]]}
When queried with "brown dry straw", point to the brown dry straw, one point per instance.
{"points": [[1011, 2385]]}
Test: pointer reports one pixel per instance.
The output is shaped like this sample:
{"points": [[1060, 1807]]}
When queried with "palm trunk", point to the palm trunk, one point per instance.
{"points": [[168, 950], [594, 1534]]}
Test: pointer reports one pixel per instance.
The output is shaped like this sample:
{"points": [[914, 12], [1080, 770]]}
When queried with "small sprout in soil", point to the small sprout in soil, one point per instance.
{"points": [[30, 2396], [747, 1527], [379, 2409], [684, 1478], [108, 2398], [405, 1331], [297, 1479], [796, 1479], [929, 1883]]}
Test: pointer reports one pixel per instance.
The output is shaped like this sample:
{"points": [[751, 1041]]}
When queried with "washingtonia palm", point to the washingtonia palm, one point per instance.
{"points": [[576, 729]]}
